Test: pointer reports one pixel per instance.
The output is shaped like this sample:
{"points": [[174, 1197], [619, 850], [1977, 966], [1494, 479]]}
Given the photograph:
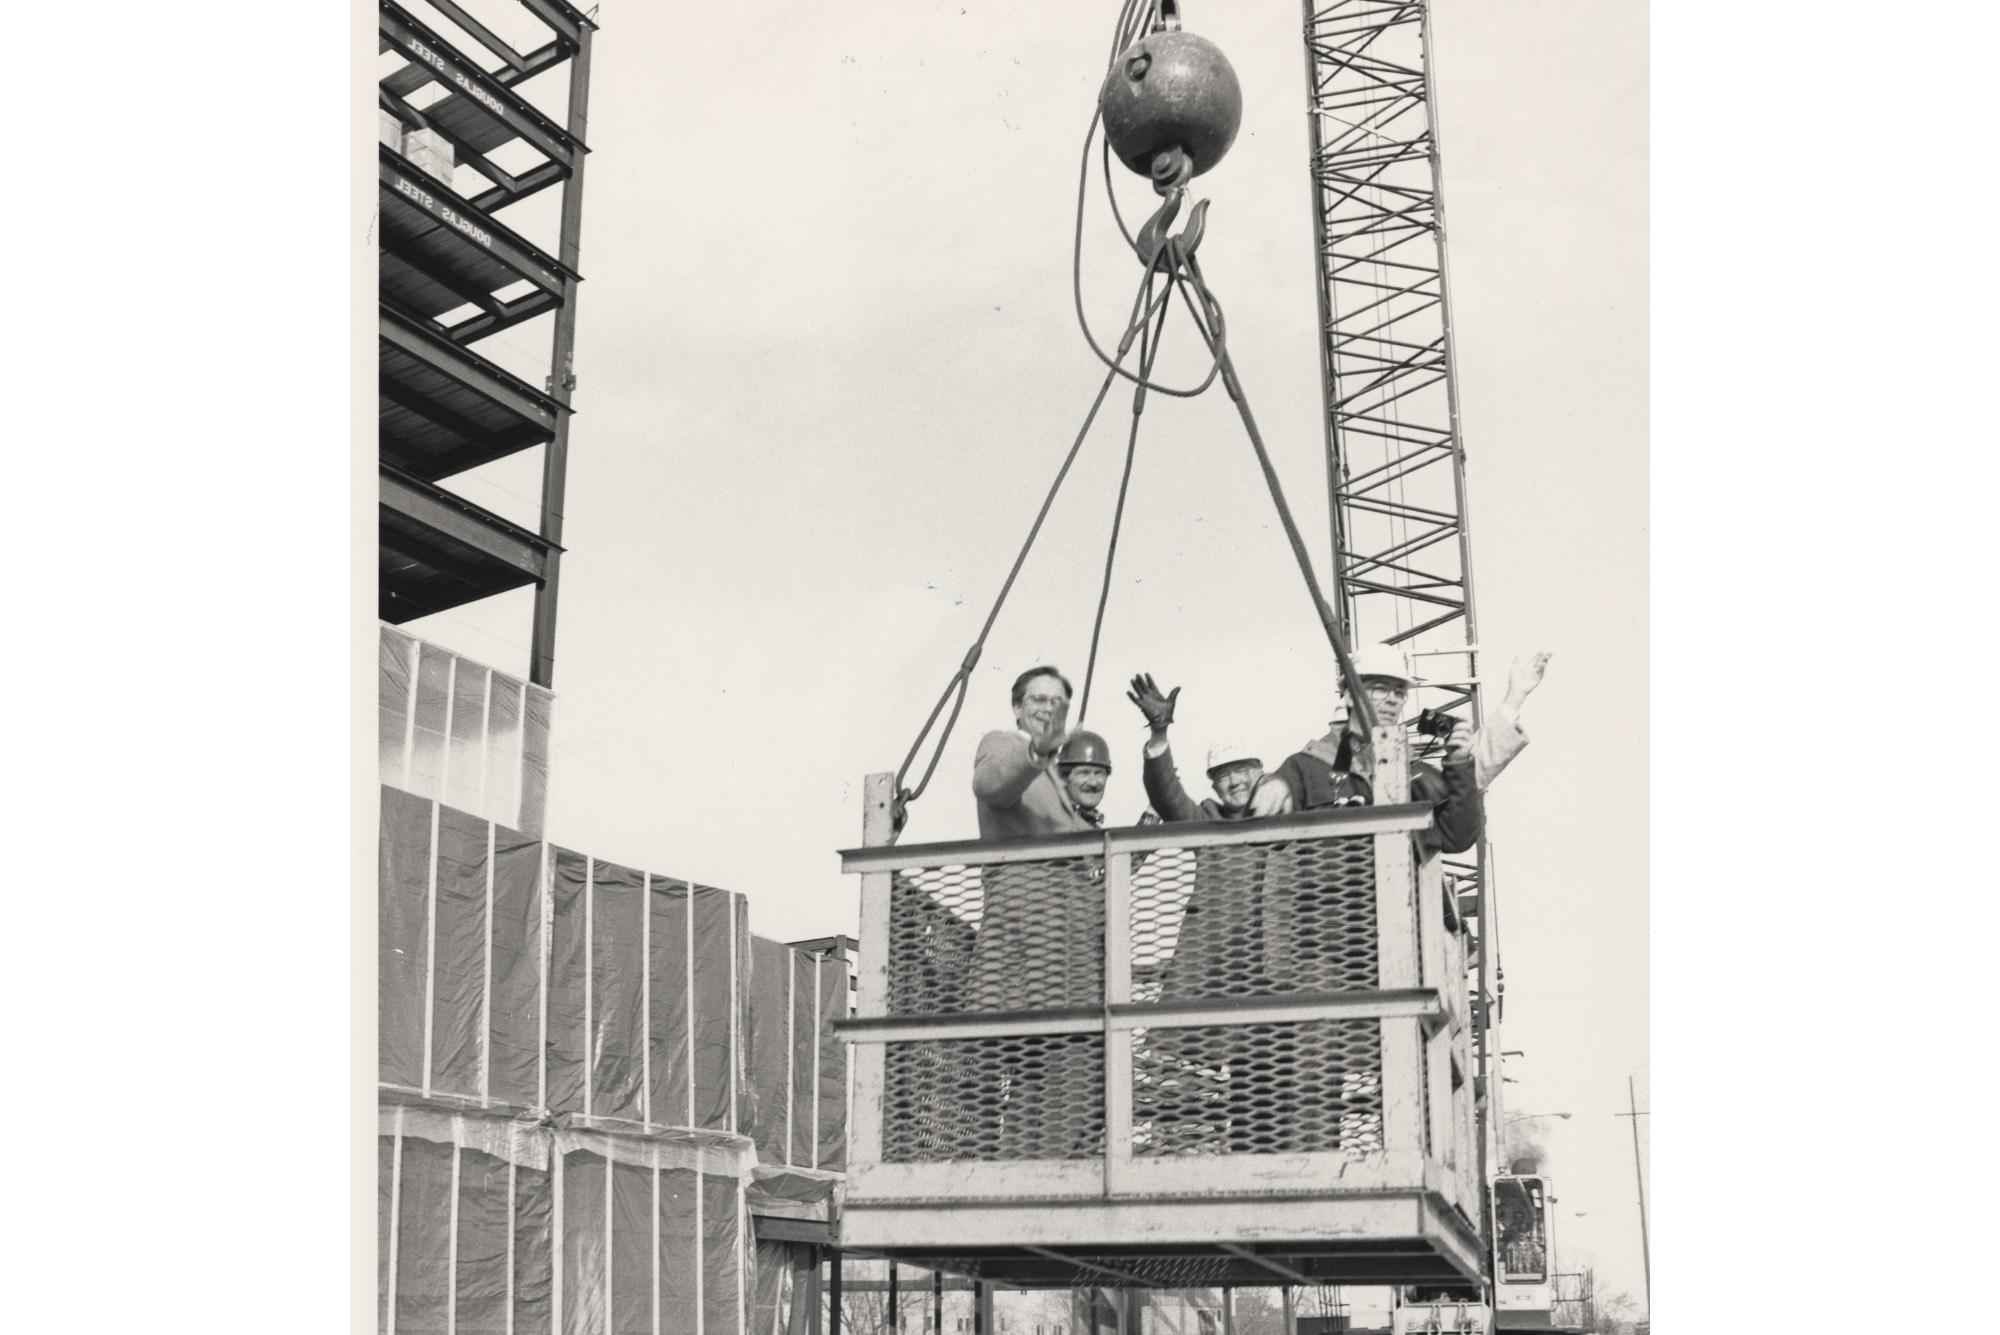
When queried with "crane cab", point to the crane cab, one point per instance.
{"points": [[1179, 1055], [1523, 1274]]}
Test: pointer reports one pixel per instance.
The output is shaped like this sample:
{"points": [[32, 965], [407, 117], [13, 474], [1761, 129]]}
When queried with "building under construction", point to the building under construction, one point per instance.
{"points": [[607, 1106], [602, 1099]]}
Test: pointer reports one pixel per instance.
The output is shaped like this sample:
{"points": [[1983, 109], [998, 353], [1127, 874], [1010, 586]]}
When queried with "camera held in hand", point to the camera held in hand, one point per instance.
{"points": [[1436, 723]]}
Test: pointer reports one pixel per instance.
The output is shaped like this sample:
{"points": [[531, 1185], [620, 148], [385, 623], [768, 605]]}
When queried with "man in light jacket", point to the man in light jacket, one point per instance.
{"points": [[1040, 941]]}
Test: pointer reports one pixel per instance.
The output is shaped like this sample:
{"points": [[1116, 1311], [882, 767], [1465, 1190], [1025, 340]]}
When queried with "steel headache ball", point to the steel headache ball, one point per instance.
{"points": [[1171, 90]]}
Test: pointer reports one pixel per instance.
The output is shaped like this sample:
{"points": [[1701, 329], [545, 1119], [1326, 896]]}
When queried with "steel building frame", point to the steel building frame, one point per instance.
{"points": [[444, 408], [1396, 487]]}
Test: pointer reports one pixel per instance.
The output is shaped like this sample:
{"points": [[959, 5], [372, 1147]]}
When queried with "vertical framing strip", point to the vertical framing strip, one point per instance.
{"points": [[395, 1216], [589, 980], [655, 1148], [646, 1020], [734, 1010], [688, 959], [410, 720], [1117, 1043], [743, 1285], [485, 741], [430, 949], [486, 1003], [791, 1051], [450, 703], [521, 766], [546, 912], [819, 1031], [512, 1206], [610, 1191], [451, 1243], [700, 1231], [556, 1158]]}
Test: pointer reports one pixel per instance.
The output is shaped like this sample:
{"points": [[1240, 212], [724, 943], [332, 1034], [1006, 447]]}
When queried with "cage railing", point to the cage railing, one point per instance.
{"points": [[1266, 1008]]}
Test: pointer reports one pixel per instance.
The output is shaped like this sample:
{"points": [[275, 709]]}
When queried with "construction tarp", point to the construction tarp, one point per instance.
{"points": [[576, 1232], [778, 1192], [457, 730], [593, 1076], [520, 975], [798, 1064]]}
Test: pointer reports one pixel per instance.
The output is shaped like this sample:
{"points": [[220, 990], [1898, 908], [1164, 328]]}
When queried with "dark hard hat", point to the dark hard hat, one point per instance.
{"points": [[1084, 748], [1168, 90]]}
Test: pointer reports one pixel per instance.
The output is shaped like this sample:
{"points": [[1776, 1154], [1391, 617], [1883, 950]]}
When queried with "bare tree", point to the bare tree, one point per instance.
{"points": [[1613, 1310]]}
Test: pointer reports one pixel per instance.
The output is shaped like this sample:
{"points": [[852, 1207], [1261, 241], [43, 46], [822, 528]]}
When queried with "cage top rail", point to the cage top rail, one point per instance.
{"points": [[1322, 824]]}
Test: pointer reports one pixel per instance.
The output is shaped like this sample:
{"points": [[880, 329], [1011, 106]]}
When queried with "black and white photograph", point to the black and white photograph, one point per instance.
{"points": [[1027, 667], [964, 594]]}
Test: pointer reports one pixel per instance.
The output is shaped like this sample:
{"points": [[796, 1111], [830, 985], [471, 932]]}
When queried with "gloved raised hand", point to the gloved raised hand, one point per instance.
{"points": [[1158, 708]]}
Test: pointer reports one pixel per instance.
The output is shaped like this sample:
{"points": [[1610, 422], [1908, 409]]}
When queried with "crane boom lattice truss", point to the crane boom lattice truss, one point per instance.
{"points": [[1402, 565]]}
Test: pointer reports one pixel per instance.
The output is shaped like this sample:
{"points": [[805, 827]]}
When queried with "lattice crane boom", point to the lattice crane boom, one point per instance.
{"points": [[1396, 485]]}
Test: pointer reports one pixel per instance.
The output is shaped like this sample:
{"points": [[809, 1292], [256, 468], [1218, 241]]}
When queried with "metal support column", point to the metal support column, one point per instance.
{"points": [[562, 375]]}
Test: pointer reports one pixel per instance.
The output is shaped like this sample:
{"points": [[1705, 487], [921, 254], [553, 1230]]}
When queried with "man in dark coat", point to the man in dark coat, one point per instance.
{"points": [[1321, 774]]}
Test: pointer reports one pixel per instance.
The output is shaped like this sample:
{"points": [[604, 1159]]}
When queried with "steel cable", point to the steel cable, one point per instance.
{"points": [[1149, 351]]}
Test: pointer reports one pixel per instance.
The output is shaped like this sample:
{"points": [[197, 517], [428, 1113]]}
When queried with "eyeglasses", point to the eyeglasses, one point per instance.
{"points": [[1044, 699]]}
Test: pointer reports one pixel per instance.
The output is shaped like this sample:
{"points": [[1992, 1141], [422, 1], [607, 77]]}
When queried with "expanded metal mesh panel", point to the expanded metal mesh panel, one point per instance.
{"points": [[1017, 936], [1025, 1096], [1255, 920], [1259, 1089]]}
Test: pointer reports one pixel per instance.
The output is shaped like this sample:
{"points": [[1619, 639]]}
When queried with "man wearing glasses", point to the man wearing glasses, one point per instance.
{"points": [[1039, 942], [1014, 778]]}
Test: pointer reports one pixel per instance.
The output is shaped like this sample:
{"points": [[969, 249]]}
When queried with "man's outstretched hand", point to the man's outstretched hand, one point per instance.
{"points": [[1045, 741], [1526, 676], [1158, 708]]}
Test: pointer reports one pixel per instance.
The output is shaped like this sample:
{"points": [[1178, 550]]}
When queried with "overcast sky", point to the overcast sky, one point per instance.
{"points": [[827, 367]]}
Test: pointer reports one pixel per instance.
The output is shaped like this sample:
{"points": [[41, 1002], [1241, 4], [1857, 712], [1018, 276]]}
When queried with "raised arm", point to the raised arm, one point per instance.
{"points": [[1164, 789], [1460, 811], [1002, 769]]}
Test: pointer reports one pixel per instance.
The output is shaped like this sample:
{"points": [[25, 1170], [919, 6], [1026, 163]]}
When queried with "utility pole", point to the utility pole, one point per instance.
{"points": [[1638, 1173]]}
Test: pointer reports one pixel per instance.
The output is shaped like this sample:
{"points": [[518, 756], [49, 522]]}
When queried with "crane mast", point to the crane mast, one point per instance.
{"points": [[1402, 563]]}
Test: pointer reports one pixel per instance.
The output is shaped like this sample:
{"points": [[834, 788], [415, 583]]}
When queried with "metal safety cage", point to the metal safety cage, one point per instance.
{"points": [[1244, 1046]]}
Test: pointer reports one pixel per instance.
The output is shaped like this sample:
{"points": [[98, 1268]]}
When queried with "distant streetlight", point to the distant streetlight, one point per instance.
{"points": [[1530, 1117]]}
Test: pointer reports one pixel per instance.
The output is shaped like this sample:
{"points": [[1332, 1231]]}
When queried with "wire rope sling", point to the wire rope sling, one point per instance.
{"points": [[1170, 106]]}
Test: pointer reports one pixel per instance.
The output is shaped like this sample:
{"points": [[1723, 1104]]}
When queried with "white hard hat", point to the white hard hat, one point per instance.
{"points": [[1383, 660], [1230, 753]]}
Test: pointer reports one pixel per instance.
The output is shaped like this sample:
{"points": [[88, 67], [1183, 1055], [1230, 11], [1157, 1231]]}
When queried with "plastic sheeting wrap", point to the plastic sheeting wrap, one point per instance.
{"points": [[585, 1065], [771, 1048], [777, 1192], [606, 1234], [802, 1147], [517, 975], [618, 979], [771, 1290], [514, 1028], [403, 935], [830, 1146], [458, 988], [457, 730]]}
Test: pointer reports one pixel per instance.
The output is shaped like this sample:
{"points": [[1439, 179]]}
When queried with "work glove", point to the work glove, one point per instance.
{"points": [[1158, 709]]}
